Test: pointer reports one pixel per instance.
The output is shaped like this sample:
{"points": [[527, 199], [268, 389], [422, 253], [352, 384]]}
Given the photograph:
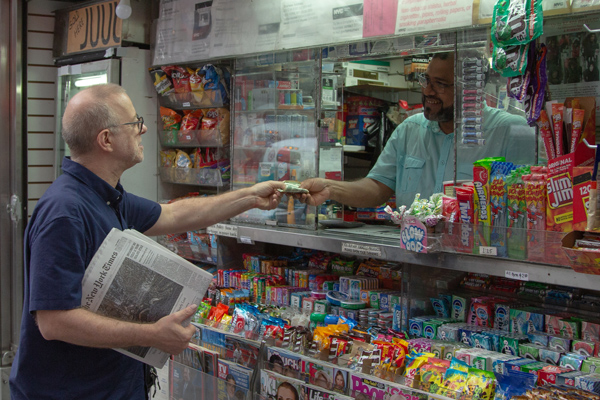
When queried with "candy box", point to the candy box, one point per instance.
{"points": [[529, 351], [550, 356], [539, 338], [430, 329], [548, 374], [517, 365], [535, 367], [524, 321], [583, 348], [510, 345], [568, 378], [571, 361], [585, 261], [496, 362], [589, 382], [502, 316], [582, 183], [558, 343], [590, 331], [558, 326], [415, 327], [592, 364], [459, 307]]}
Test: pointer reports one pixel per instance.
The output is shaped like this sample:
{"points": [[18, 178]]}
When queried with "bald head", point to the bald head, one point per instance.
{"points": [[87, 113]]}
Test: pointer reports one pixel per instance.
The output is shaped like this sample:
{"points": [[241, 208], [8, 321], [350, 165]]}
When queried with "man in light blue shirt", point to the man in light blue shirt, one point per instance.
{"points": [[419, 156]]}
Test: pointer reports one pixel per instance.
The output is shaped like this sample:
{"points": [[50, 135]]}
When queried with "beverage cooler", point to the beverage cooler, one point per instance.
{"points": [[125, 67]]}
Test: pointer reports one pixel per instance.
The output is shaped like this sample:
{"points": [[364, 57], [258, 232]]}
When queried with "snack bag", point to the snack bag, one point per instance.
{"points": [[180, 78], [510, 61], [171, 124], [161, 81], [189, 123], [516, 22]]}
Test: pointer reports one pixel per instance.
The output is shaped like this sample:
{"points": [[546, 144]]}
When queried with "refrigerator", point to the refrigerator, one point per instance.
{"points": [[127, 66]]}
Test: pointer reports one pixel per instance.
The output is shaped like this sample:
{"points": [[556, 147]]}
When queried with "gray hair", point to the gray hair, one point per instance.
{"points": [[82, 122]]}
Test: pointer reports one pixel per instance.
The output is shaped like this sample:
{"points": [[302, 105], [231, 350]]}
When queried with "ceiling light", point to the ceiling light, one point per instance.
{"points": [[123, 10], [90, 80]]}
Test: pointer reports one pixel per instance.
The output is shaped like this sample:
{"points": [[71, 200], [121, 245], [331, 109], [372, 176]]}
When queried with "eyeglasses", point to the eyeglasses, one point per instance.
{"points": [[438, 87], [140, 121]]}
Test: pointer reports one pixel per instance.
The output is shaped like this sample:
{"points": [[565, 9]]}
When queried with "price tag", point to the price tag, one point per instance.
{"points": [[187, 104], [520, 276], [413, 235], [488, 251], [362, 249], [246, 240], [223, 230]]}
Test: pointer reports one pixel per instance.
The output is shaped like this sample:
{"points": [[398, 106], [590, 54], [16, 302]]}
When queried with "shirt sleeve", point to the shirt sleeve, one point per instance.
{"points": [[57, 263], [386, 167], [141, 214]]}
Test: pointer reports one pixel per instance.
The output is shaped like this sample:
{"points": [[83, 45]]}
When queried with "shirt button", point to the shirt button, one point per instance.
{"points": [[108, 203], [443, 162]]}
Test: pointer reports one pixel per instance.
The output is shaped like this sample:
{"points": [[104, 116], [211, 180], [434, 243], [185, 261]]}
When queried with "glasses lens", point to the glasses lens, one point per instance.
{"points": [[423, 80]]}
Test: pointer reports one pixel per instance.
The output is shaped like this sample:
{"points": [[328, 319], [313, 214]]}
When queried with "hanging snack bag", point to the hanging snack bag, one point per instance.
{"points": [[196, 84], [511, 60], [161, 81], [180, 78], [536, 91], [516, 22]]}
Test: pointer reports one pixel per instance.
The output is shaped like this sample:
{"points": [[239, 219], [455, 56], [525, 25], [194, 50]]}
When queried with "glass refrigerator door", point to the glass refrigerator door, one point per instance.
{"points": [[275, 130], [71, 80]]}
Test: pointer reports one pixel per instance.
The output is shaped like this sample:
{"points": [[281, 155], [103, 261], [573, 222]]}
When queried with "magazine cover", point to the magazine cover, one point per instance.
{"points": [[365, 387], [320, 375], [186, 378], [316, 393], [284, 362], [274, 386], [234, 381], [241, 351], [210, 382]]}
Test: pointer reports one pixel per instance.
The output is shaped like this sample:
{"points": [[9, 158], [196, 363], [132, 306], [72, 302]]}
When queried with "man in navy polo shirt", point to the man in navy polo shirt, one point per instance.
{"points": [[66, 351]]}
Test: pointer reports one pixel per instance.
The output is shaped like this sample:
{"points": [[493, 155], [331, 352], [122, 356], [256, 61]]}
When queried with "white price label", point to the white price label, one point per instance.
{"points": [[520, 276], [246, 240], [223, 230], [362, 249], [187, 104], [488, 251]]}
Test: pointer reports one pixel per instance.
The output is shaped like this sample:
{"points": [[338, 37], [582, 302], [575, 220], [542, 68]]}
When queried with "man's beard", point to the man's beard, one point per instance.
{"points": [[446, 114]]}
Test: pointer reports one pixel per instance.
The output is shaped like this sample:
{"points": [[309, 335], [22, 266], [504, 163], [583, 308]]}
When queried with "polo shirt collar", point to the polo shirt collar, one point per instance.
{"points": [[110, 195], [434, 127]]}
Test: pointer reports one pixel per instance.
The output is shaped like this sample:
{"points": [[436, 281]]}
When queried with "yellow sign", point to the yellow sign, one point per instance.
{"points": [[94, 27]]}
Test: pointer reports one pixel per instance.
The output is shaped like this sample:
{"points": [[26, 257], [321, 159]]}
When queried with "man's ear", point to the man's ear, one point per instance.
{"points": [[104, 139]]}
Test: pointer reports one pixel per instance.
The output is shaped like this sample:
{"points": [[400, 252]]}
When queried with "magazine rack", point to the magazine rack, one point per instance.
{"points": [[188, 383]]}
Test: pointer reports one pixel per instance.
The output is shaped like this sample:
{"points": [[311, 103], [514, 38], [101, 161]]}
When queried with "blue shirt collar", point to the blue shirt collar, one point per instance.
{"points": [[110, 195]]}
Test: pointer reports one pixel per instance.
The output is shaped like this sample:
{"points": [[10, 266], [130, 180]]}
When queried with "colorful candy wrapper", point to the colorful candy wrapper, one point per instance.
{"points": [[547, 136], [536, 91], [517, 216], [498, 196], [557, 124], [510, 61], [578, 117], [516, 22], [535, 197]]}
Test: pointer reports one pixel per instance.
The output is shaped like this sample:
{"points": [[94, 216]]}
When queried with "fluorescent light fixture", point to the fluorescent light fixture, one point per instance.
{"points": [[123, 10], [85, 81]]}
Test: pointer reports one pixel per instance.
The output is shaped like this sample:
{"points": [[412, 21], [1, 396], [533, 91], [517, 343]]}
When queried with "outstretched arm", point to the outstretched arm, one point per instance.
{"points": [[365, 192], [200, 212]]}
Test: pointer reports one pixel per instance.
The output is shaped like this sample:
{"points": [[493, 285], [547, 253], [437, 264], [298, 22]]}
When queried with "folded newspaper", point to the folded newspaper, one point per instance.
{"points": [[133, 278]]}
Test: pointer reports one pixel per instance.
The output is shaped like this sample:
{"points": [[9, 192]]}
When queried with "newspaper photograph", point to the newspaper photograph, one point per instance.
{"points": [[132, 278]]}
